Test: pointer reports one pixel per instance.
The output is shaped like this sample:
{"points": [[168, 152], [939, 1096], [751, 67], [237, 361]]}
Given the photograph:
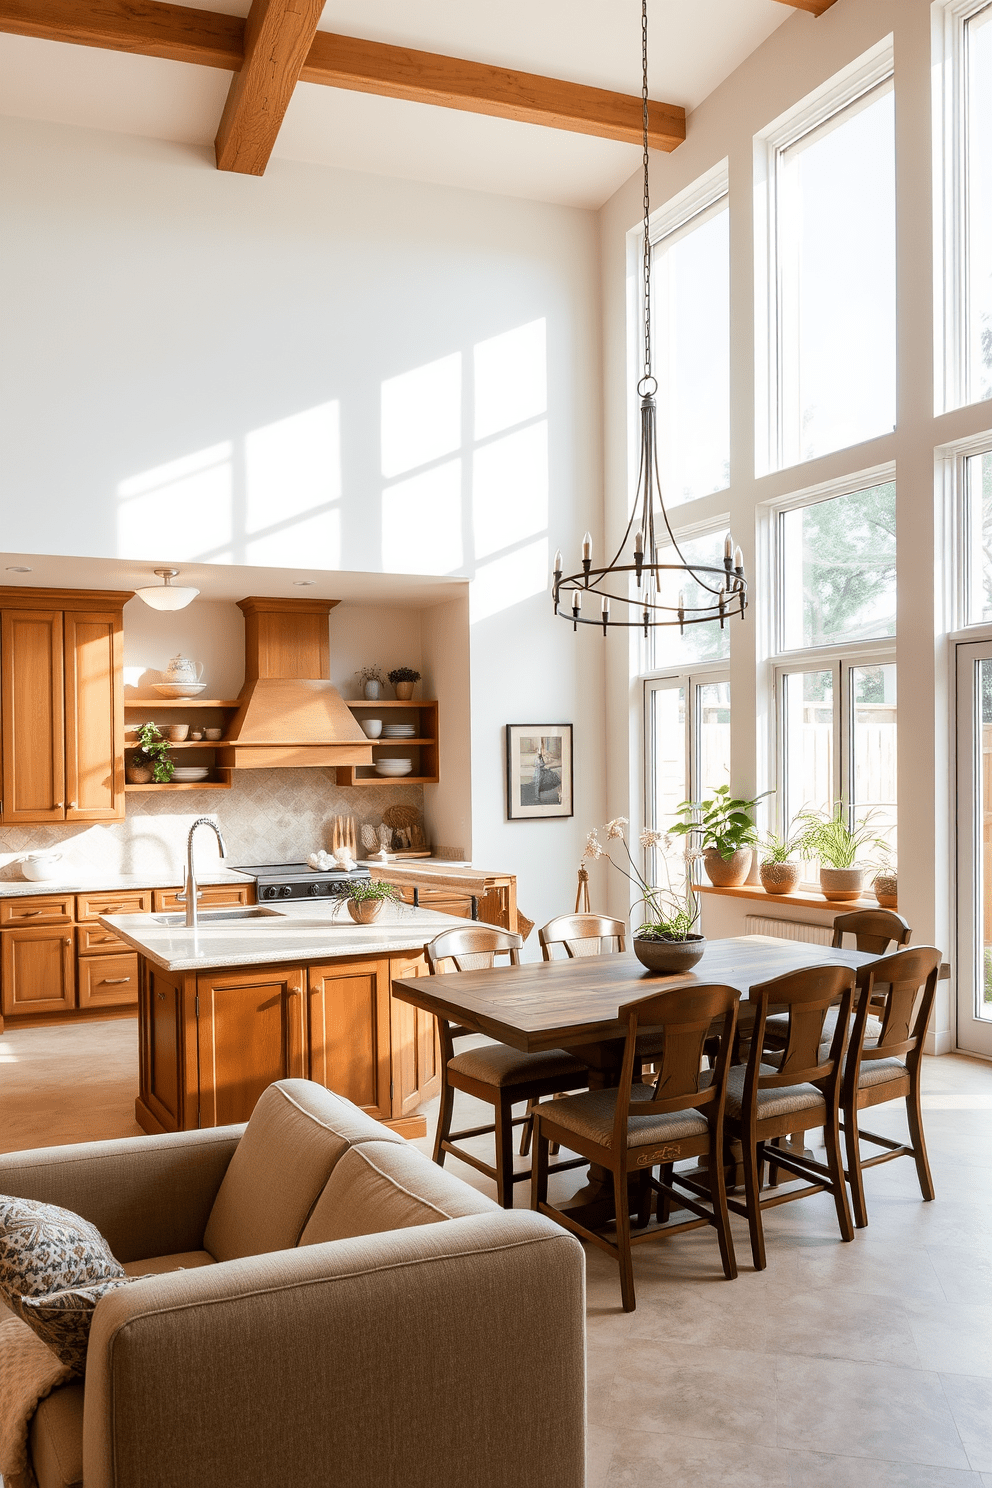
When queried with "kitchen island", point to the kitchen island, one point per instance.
{"points": [[261, 994]]}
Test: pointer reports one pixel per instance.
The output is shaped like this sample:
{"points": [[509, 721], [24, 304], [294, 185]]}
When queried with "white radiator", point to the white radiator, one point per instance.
{"points": [[788, 929]]}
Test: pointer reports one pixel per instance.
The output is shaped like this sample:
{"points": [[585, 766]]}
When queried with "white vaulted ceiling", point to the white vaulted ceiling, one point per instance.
{"points": [[695, 44]]}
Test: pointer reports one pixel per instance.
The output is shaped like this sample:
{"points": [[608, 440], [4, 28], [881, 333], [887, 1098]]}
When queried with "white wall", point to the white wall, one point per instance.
{"points": [[316, 369]]}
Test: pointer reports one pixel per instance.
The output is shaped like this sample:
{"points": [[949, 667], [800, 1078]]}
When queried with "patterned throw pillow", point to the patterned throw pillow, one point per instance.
{"points": [[54, 1268]]}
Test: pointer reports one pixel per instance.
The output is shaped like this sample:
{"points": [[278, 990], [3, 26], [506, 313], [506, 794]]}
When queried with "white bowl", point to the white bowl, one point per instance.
{"points": [[179, 689], [40, 866], [371, 727], [393, 767]]}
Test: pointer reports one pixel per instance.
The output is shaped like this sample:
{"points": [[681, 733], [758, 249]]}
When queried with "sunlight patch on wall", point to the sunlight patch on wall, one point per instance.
{"points": [[508, 580], [510, 489], [511, 379], [422, 522], [421, 415], [182, 509], [292, 487]]}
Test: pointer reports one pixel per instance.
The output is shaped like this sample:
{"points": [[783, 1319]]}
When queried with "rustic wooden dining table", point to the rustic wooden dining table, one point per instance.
{"points": [[578, 1004]]}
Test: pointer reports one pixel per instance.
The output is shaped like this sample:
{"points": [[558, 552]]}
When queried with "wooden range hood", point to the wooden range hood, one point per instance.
{"points": [[290, 714]]}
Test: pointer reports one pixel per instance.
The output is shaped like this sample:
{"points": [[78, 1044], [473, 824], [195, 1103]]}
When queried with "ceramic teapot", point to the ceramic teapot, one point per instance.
{"points": [[180, 670]]}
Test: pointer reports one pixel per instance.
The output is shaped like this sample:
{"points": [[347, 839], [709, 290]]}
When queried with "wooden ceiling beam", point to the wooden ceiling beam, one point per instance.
{"points": [[815, 7], [154, 28], [278, 36]]}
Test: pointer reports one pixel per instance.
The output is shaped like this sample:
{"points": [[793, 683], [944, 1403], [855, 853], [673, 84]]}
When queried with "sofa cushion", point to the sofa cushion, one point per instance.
{"points": [[382, 1186], [186, 1260], [55, 1438], [297, 1132]]}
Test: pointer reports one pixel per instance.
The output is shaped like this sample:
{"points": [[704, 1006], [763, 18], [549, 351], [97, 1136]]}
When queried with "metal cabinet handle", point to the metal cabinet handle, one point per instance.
{"points": [[113, 981], [68, 940], [73, 805], [28, 913]]}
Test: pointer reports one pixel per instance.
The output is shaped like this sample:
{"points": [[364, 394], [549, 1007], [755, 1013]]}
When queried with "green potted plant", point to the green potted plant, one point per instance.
{"points": [[724, 834], [404, 679], [151, 761], [835, 845], [370, 679], [666, 940], [886, 885], [366, 897], [777, 873]]}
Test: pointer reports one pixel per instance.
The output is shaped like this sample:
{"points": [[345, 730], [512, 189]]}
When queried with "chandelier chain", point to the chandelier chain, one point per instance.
{"points": [[646, 274]]}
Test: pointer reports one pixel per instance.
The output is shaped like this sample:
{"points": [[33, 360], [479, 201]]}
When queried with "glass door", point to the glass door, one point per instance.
{"points": [[974, 831]]}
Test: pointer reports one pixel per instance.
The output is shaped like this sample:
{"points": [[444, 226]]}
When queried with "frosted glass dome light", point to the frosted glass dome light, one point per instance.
{"points": [[164, 596]]}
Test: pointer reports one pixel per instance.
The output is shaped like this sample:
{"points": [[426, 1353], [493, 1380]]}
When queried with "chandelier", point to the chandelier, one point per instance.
{"points": [[718, 593]]}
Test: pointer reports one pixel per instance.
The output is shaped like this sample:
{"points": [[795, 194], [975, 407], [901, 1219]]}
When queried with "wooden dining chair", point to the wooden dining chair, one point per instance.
{"points": [[632, 1128], [901, 989], [494, 1073], [581, 935], [799, 1090]]}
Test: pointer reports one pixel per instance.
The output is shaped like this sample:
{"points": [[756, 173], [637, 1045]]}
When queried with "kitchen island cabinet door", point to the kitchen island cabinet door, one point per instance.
{"points": [[32, 703], [249, 1033], [94, 716], [416, 1070], [348, 1027], [38, 969]]}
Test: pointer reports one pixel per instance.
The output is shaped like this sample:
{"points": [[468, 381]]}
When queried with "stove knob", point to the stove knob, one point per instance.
{"points": [[316, 890], [285, 892], [269, 892]]}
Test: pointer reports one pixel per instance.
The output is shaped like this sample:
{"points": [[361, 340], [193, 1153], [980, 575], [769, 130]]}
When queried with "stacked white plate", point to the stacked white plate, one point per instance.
{"points": [[393, 766], [398, 730], [190, 774]]}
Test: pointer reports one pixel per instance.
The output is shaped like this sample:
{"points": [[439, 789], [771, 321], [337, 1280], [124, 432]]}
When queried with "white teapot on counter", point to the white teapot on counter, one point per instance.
{"points": [[182, 671]]}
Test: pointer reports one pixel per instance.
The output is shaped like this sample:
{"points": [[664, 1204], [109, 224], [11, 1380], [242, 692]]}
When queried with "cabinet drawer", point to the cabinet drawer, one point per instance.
{"points": [[108, 981], [47, 909], [95, 940], [129, 901], [212, 896]]}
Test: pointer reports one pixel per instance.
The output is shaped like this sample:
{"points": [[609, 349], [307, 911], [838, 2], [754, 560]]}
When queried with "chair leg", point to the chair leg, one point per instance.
{"points": [[772, 1167], [539, 1169], [504, 1153], [914, 1116], [855, 1177], [721, 1215], [623, 1242], [831, 1138], [444, 1114], [526, 1129], [645, 1193], [664, 1202], [752, 1195]]}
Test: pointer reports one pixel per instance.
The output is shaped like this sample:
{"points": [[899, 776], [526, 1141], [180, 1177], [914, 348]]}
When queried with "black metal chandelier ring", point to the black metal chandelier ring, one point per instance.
{"points": [[731, 597]]}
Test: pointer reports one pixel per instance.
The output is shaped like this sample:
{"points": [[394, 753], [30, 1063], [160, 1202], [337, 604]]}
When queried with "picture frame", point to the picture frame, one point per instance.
{"points": [[538, 771]]}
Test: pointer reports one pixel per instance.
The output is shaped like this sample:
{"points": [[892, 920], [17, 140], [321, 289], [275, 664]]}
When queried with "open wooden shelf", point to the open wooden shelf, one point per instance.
{"points": [[389, 703], [183, 785], [187, 744], [425, 743], [163, 702]]}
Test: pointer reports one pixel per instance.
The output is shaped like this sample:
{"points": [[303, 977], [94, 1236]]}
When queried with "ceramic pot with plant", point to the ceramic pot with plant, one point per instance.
{"points": [[724, 834], [778, 875], [151, 761], [370, 680], [835, 845], [667, 939], [886, 886], [366, 898], [404, 679]]}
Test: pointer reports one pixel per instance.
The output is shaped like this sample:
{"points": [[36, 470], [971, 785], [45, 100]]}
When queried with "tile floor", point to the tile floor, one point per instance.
{"points": [[837, 1367]]}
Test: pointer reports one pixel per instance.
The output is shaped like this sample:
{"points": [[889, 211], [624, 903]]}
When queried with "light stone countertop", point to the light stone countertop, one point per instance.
{"points": [[82, 882], [290, 934]]}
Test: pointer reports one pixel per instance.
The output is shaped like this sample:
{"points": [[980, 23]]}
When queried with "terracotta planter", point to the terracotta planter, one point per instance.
{"points": [[779, 878], [673, 957], [404, 690], [886, 888], [727, 873], [364, 911], [842, 883]]}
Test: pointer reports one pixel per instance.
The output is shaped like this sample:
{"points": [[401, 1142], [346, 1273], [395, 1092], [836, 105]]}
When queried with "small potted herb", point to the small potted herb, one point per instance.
{"points": [[666, 940], [151, 760], [724, 834], [886, 886], [366, 898], [835, 845], [779, 875], [370, 680], [404, 679]]}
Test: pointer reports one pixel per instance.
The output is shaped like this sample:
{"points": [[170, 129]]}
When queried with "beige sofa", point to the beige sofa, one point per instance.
{"points": [[349, 1315]]}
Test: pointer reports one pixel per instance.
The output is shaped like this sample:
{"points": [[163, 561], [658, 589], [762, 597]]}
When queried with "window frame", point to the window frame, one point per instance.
{"points": [[691, 678], [959, 570]]}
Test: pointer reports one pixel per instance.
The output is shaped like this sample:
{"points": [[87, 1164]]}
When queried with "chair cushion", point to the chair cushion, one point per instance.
{"points": [[497, 1064], [880, 1071], [297, 1132], [781, 1102], [380, 1186], [777, 1027], [591, 1115]]}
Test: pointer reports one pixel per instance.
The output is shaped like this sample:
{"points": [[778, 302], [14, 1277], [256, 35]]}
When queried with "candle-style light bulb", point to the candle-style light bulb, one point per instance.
{"points": [[587, 545], [558, 561], [681, 599], [576, 600], [639, 541], [606, 612], [738, 558], [728, 546]]}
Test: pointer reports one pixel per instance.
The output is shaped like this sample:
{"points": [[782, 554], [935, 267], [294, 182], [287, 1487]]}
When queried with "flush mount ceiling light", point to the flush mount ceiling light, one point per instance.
{"points": [[18, 568], [303, 583], [717, 593], [164, 596]]}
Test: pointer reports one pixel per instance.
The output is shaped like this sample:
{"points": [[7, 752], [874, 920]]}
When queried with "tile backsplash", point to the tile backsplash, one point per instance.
{"points": [[268, 816]]}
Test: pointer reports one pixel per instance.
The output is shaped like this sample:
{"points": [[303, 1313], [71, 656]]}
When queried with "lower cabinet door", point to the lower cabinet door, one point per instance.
{"points": [[167, 1050], [249, 1033], [416, 1071], [37, 970], [108, 981], [348, 1028]]}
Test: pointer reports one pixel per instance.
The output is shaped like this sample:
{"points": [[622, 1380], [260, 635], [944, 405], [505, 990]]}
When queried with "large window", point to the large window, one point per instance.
{"points": [[837, 569], [830, 344], [667, 645], [687, 738]]}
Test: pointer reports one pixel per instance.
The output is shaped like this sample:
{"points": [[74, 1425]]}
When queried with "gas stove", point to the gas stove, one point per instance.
{"points": [[300, 881]]}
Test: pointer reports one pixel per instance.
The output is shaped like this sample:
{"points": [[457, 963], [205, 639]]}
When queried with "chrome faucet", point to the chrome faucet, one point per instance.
{"points": [[192, 893]]}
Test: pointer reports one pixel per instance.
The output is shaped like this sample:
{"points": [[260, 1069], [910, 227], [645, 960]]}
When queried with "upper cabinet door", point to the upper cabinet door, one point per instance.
{"points": [[94, 716], [32, 706]]}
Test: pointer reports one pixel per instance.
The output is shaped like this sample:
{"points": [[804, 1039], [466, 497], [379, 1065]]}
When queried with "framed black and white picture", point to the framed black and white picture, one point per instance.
{"points": [[538, 770]]}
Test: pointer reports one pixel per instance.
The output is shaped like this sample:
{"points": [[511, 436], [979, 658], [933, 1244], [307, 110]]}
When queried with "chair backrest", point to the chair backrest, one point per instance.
{"points": [[581, 935], [806, 997], [687, 1016], [902, 989], [473, 948], [873, 930]]}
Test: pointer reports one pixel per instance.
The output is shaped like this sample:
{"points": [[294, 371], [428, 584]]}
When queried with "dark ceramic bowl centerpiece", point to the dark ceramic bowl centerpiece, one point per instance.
{"points": [[667, 940], [673, 957]]}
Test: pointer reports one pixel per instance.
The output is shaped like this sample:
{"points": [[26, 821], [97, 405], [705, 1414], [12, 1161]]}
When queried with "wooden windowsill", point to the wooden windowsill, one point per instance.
{"points": [[801, 899]]}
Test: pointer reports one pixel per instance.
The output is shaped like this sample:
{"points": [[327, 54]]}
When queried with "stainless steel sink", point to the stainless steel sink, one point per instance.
{"points": [[212, 916]]}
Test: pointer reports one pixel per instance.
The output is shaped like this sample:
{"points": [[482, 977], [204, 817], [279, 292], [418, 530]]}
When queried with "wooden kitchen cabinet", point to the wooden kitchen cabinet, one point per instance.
{"points": [[36, 909], [108, 981], [37, 970], [94, 715], [348, 1032], [250, 1031], [212, 896], [416, 1069], [32, 707]]}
